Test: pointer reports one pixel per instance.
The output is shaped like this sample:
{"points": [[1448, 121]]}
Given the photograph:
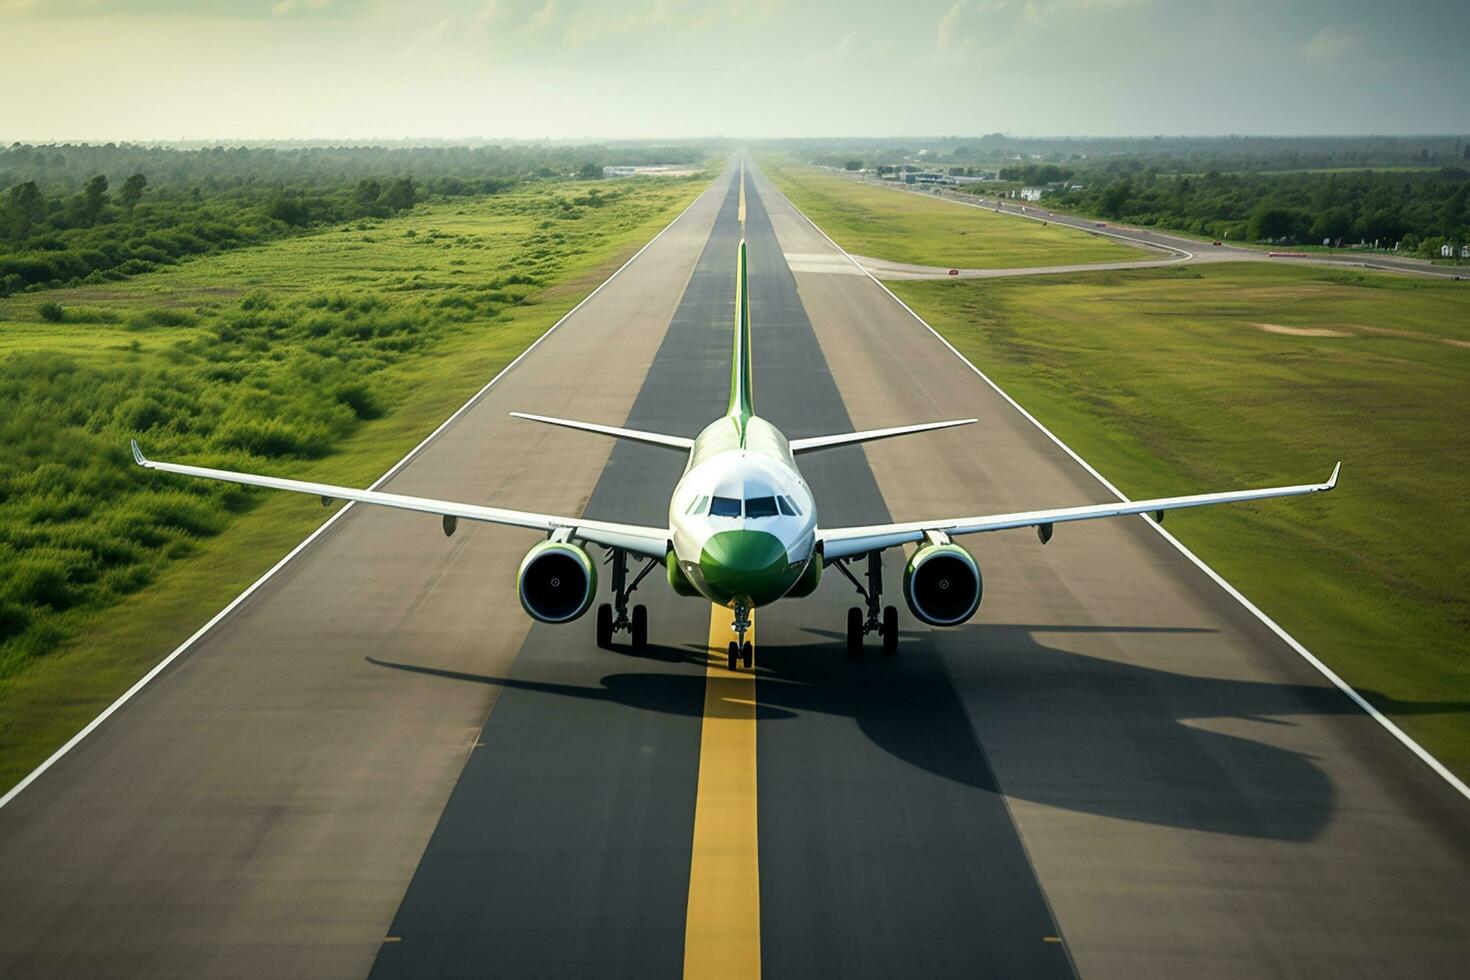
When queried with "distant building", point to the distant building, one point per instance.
{"points": [[928, 177], [1031, 193], [619, 171]]}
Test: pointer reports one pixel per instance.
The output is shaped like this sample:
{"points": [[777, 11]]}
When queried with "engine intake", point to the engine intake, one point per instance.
{"points": [[556, 582], [942, 584]]}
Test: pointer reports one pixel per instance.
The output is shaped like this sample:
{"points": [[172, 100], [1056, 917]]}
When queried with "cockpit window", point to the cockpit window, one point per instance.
{"points": [[760, 507], [699, 505], [787, 507], [724, 507]]}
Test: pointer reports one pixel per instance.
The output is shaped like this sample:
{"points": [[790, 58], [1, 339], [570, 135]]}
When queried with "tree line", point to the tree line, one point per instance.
{"points": [[74, 214], [1415, 210]]}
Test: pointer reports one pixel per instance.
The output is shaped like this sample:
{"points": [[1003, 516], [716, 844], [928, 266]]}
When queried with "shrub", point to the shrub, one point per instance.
{"points": [[361, 400], [51, 312]]}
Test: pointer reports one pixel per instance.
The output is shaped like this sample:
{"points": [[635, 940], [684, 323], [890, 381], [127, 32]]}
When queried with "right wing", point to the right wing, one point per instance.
{"points": [[651, 542], [632, 435], [845, 542]]}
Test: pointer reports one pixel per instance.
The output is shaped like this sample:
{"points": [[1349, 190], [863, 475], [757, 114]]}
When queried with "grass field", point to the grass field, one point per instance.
{"points": [[884, 223], [1182, 380], [328, 356]]}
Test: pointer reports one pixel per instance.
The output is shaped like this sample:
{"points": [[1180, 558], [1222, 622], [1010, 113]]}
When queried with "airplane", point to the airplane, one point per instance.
{"points": [[742, 530]]}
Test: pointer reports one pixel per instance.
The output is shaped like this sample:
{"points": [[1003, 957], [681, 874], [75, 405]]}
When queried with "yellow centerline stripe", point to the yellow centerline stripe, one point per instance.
{"points": [[722, 930], [742, 195]]}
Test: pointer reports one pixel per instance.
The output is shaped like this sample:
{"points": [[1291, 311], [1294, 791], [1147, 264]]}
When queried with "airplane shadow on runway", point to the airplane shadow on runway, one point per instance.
{"points": [[1105, 737]]}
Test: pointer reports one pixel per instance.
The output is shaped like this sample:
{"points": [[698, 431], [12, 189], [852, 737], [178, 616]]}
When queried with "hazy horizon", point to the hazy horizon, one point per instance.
{"points": [[362, 71]]}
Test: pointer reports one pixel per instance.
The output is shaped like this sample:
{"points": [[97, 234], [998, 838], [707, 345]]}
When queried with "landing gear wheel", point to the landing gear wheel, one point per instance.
{"points": [[640, 627], [747, 653], [604, 625], [854, 632], [890, 631], [734, 655]]}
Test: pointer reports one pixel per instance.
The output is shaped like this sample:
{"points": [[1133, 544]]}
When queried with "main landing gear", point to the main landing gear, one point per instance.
{"points": [[614, 616], [860, 625], [741, 651]]}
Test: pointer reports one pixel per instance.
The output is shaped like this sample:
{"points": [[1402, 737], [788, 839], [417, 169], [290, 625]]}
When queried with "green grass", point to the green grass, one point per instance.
{"points": [[1165, 380], [328, 356], [885, 223]]}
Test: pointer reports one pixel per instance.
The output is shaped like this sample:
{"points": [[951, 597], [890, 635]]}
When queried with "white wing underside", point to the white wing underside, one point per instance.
{"points": [[847, 541], [648, 541]]}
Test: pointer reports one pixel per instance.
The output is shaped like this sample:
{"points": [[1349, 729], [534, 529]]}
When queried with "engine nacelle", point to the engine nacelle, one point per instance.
{"points": [[942, 584], [557, 582]]}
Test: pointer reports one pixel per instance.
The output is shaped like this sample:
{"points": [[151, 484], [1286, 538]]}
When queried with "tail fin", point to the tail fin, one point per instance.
{"points": [[742, 397]]}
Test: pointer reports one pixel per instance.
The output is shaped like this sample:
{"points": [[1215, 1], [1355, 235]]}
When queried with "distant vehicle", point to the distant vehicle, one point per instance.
{"points": [[954, 272], [1215, 242], [742, 527], [1102, 224]]}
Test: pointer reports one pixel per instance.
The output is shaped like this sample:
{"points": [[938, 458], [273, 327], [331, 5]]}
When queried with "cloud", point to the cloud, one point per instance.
{"points": [[1329, 44]]}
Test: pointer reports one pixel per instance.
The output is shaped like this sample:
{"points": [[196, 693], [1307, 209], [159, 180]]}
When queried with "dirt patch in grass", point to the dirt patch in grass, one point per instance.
{"points": [[1301, 331]]}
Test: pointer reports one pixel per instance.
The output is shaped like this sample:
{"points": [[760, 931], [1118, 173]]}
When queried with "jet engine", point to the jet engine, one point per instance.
{"points": [[557, 582], [942, 584]]}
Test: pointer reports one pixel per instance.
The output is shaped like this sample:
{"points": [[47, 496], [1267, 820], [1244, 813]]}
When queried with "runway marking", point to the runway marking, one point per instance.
{"points": [[742, 195], [1051, 939], [722, 927], [1423, 754], [392, 939]]}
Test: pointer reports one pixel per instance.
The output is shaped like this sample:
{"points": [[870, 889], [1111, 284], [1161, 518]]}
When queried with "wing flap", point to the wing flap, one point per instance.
{"points": [[848, 541], [649, 541]]}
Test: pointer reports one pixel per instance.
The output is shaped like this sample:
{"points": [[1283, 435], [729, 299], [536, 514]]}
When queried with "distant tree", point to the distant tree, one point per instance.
{"points": [[289, 208], [1270, 221], [1115, 198], [26, 208], [589, 171], [368, 191], [366, 195], [853, 165], [132, 191], [1332, 224], [94, 198], [400, 194]]}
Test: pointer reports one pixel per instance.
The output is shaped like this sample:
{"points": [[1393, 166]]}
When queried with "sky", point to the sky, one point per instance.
{"points": [[604, 69]]}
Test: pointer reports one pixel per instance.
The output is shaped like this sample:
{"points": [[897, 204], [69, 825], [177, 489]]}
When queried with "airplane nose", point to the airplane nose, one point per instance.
{"points": [[746, 563]]}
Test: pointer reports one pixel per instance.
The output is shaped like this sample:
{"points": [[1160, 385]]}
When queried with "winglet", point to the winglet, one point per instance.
{"points": [[1332, 480], [138, 456]]}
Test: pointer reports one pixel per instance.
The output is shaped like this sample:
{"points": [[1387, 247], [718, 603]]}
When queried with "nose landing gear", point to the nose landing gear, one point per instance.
{"points": [[741, 651], [860, 625]]}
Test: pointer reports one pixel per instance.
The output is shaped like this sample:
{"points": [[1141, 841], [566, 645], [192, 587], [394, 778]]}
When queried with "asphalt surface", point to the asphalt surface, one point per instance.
{"points": [[1175, 249], [376, 765]]}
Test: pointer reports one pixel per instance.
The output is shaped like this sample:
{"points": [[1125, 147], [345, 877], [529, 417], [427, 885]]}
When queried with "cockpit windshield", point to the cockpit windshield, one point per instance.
{"points": [[761, 507], [724, 507]]}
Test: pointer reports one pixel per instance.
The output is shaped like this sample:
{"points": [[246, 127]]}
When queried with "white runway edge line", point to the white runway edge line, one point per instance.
{"points": [[163, 664], [1271, 624]]}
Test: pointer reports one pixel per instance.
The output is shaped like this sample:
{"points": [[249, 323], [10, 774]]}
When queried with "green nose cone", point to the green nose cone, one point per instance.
{"points": [[746, 564]]}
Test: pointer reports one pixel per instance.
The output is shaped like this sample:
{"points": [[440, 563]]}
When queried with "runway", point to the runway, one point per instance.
{"points": [[377, 766]]}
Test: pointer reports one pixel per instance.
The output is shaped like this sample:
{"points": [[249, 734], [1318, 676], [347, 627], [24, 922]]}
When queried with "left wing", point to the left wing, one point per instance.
{"points": [[847, 541], [870, 435], [651, 542]]}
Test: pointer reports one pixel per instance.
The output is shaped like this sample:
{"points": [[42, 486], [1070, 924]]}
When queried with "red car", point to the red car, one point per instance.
{"points": [[954, 272]]}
